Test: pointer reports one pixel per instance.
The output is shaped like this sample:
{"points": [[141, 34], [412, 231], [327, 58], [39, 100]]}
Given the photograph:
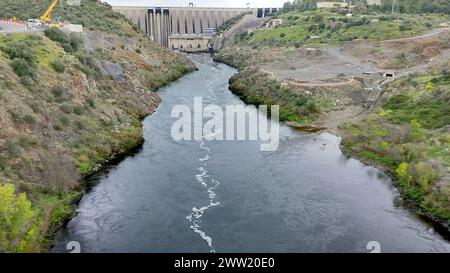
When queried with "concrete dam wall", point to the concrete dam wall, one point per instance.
{"points": [[163, 23]]}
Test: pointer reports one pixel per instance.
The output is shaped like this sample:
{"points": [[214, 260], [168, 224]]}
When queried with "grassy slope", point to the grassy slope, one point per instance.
{"points": [[335, 28], [60, 124], [22, 9]]}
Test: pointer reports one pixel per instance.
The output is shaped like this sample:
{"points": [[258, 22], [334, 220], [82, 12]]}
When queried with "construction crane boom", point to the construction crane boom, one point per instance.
{"points": [[47, 15]]}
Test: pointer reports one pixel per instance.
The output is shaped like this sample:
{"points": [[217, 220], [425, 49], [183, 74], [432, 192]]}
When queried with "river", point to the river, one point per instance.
{"points": [[228, 196]]}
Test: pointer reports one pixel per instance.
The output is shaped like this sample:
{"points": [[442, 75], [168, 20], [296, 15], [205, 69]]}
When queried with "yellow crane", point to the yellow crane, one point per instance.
{"points": [[47, 15], [45, 19]]}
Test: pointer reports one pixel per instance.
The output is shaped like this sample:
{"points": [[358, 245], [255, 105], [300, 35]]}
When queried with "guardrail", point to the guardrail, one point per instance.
{"points": [[11, 27]]}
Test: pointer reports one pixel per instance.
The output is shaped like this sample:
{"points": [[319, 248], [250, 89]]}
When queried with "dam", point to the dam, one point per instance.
{"points": [[184, 23]]}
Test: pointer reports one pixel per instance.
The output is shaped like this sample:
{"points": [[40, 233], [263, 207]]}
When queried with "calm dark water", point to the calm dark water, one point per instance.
{"points": [[228, 196]]}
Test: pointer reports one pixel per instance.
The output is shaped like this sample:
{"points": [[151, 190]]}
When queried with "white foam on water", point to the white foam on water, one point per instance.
{"points": [[201, 176], [211, 185], [204, 147]]}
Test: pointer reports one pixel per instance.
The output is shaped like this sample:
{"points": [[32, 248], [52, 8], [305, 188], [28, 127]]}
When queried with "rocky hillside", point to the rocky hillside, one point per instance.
{"points": [[69, 103]]}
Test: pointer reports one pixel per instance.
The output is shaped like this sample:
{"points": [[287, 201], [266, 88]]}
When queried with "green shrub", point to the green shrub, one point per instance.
{"points": [[58, 91], [416, 132], [15, 116], [2, 163], [57, 35], [26, 142], [301, 100], [240, 37], [406, 26], [65, 120], [12, 148], [79, 110], [90, 102], [58, 126], [79, 125], [88, 65], [29, 119], [18, 118], [311, 106], [37, 107], [61, 94], [271, 41], [22, 68], [35, 37], [446, 74], [402, 173], [28, 82], [71, 43], [383, 146], [76, 41], [424, 174], [19, 50], [66, 108], [58, 65]]}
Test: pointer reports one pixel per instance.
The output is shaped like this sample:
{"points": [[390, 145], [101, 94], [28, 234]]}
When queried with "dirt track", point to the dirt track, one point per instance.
{"points": [[248, 23], [430, 34], [329, 84], [319, 67]]}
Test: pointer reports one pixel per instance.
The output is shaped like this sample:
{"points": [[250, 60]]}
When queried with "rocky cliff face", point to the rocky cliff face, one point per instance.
{"points": [[69, 103]]}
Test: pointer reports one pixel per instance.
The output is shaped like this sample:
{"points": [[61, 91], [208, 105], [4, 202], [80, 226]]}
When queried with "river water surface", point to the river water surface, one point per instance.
{"points": [[228, 196]]}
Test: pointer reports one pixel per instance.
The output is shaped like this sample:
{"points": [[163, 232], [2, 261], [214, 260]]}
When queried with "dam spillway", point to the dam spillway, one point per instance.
{"points": [[160, 23]]}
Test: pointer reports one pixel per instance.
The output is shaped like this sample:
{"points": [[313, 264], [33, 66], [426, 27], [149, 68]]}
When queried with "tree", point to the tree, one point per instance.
{"points": [[417, 6], [16, 220], [416, 132], [287, 7], [300, 5], [360, 8], [305, 4]]}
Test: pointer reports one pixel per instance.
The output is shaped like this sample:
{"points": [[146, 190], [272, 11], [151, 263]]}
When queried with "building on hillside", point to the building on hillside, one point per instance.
{"points": [[374, 2], [274, 23], [331, 5], [73, 2]]}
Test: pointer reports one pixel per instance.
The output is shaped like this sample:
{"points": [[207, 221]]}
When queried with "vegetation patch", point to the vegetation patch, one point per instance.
{"points": [[18, 220], [314, 27], [254, 87], [71, 42], [408, 135]]}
